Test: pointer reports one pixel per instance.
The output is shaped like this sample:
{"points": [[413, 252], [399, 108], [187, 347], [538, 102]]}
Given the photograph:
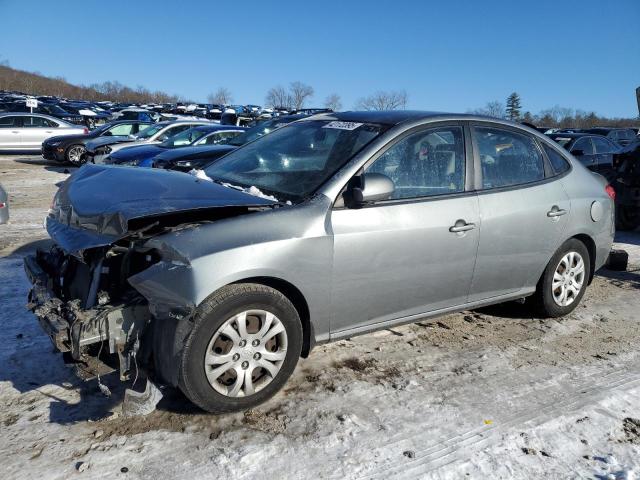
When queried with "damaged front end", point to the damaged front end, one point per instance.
{"points": [[91, 291], [88, 309]]}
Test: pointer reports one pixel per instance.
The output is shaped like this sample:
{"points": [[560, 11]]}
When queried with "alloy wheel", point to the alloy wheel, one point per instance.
{"points": [[75, 154], [246, 353], [568, 279]]}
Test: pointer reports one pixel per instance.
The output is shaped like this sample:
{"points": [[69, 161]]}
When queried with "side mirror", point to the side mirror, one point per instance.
{"points": [[577, 153], [373, 188]]}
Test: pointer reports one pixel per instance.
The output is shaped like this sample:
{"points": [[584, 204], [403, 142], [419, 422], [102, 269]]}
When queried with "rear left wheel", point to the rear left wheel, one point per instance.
{"points": [[564, 281]]}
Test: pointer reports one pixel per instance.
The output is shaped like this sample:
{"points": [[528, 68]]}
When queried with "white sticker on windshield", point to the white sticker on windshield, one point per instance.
{"points": [[343, 125]]}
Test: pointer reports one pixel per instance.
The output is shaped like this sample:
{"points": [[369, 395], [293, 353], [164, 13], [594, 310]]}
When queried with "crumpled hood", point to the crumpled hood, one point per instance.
{"points": [[94, 206], [73, 137]]}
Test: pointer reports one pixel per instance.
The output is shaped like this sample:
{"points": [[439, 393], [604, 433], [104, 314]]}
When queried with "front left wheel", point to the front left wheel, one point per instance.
{"points": [[244, 345], [75, 154]]}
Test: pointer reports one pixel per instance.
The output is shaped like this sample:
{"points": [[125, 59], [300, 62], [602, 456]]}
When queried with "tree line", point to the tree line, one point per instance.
{"points": [[554, 117]]}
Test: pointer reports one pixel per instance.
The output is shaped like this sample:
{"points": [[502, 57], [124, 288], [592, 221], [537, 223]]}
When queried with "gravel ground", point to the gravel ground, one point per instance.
{"points": [[489, 393]]}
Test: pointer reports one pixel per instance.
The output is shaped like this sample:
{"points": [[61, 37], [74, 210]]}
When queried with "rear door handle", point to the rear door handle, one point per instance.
{"points": [[556, 212], [13, 131], [460, 226]]}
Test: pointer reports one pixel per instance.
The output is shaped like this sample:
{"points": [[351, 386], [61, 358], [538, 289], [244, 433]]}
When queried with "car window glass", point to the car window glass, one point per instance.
{"points": [[583, 144], [33, 122], [426, 163], [602, 145], [507, 158], [122, 129], [558, 162], [217, 138], [8, 122]]}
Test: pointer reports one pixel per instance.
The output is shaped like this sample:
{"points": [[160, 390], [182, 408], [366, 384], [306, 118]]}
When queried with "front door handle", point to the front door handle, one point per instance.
{"points": [[462, 226], [556, 212]]}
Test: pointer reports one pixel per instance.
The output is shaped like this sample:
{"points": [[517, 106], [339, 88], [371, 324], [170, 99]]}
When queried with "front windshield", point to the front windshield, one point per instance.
{"points": [[149, 131], [186, 137], [292, 162], [258, 131]]}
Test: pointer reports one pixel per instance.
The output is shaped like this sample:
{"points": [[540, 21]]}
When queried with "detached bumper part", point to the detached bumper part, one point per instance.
{"points": [[73, 329]]}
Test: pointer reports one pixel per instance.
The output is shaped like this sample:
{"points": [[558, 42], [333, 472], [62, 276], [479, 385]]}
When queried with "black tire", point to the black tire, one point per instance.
{"points": [[627, 217], [209, 317], [543, 299], [71, 150]]}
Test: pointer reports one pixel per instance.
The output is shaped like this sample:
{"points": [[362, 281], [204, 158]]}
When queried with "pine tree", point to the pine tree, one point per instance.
{"points": [[513, 107]]}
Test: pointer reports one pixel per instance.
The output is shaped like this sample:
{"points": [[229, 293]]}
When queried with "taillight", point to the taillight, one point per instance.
{"points": [[611, 192], [86, 130], [1, 205]]}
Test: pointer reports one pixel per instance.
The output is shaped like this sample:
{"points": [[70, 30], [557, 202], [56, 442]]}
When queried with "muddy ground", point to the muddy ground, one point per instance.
{"points": [[494, 392]]}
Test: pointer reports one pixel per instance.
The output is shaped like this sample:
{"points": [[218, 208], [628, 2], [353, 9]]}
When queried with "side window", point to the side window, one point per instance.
{"points": [[507, 158], [425, 163], [50, 123], [8, 122], [33, 122], [122, 129], [558, 162], [583, 144], [218, 137], [602, 145], [170, 132]]}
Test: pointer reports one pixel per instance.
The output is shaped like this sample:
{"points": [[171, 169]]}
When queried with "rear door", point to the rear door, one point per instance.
{"points": [[523, 211], [10, 133], [35, 130], [415, 252]]}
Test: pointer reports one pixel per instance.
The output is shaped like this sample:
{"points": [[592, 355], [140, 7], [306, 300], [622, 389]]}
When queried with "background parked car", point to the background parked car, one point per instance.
{"points": [[595, 152], [197, 156], [52, 110], [621, 136], [143, 155], [4, 206], [99, 148], [25, 131], [72, 148]]}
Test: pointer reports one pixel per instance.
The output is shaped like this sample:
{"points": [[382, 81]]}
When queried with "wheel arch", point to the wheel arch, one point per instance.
{"points": [[296, 297], [591, 248]]}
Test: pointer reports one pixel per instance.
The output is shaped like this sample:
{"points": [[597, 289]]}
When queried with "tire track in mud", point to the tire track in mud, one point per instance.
{"points": [[589, 391]]}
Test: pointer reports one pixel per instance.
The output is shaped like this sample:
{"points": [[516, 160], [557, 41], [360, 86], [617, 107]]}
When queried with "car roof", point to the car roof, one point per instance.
{"points": [[396, 117], [574, 135]]}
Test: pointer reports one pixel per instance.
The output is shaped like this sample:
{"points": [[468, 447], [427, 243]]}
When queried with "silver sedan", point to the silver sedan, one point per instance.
{"points": [[27, 131], [333, 226]]}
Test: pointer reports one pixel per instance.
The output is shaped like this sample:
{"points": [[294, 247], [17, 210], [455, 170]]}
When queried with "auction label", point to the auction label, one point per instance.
{"points": [[343, 125]]}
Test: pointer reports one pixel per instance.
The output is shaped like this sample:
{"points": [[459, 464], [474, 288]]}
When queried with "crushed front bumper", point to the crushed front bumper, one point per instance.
{"points": [[74, 329]]}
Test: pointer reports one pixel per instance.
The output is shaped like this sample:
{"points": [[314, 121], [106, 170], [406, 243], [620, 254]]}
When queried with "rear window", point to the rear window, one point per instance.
{"points": [[558, 162]]}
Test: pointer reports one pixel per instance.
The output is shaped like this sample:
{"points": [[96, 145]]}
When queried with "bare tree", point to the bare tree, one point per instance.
{"points": [[299, 93], [277, 97], [221, 97], [492, 109], [333, 102], [382, 100]]}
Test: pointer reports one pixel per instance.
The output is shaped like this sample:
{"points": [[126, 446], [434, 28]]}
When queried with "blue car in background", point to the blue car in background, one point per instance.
{"points": [[143, 155]]}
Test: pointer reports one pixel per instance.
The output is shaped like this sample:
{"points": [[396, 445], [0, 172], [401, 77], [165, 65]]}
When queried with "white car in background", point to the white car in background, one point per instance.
{"points": [[27, 131], [101, 147]]}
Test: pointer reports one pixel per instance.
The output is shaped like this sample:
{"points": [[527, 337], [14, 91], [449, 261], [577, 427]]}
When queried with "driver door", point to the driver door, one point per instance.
{"points": [[415, 252]]}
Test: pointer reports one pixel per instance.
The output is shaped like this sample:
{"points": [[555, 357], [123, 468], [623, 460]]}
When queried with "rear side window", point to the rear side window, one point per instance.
{"points": [[507, 158], [559, 164], [35, 122], [8, 122], [121, 129], [582, 146], [603, 145]]}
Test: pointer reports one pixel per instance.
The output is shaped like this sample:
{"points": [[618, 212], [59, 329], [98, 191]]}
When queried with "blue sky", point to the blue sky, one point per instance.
{"points": [[447, 55]]}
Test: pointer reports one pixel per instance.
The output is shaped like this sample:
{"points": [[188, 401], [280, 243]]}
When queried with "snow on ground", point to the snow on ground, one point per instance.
{"points": [[492, 393]]}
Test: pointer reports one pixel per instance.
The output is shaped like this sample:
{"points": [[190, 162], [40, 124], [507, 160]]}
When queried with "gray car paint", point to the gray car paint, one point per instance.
{"points": [[360, 270]]}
